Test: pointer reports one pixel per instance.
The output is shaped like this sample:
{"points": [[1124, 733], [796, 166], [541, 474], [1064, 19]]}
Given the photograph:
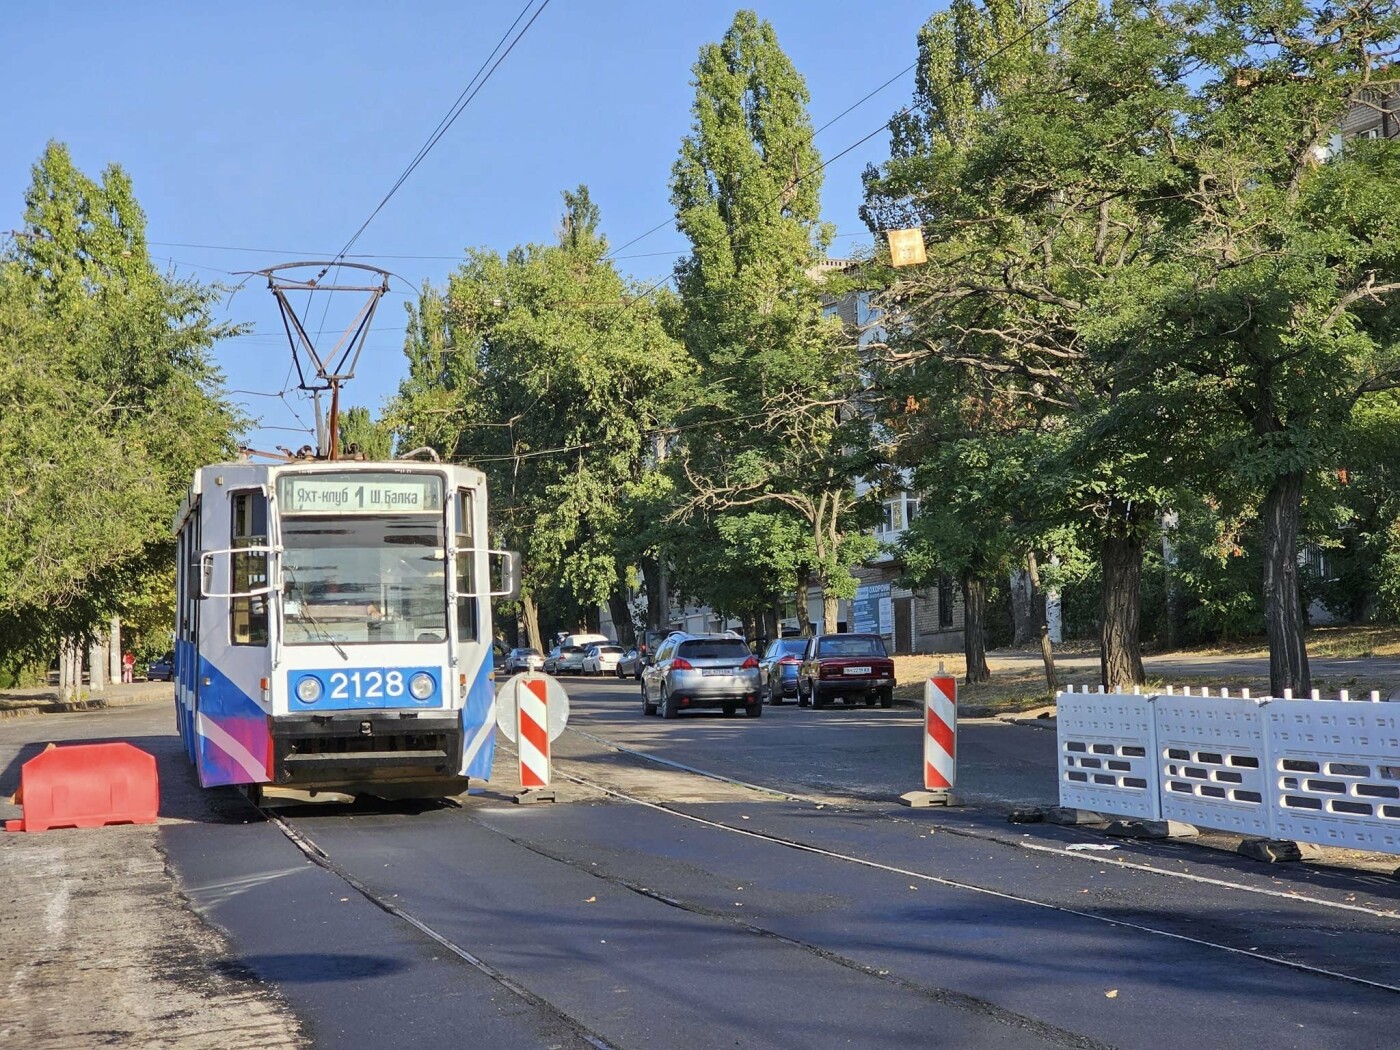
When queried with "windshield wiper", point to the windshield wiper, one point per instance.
{"points": [[304, 613]]}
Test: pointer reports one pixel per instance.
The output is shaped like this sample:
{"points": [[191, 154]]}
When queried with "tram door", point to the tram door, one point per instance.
{"points": [[187, 630], [233, 742]]}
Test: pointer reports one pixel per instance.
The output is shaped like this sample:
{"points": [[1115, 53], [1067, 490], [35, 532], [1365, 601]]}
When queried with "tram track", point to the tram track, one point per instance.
{"points": [[322, 859], [947, 997], [1094, 857]]}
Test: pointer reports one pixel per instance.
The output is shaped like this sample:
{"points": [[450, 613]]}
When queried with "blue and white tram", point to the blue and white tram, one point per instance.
{"points": [[334, 628]]}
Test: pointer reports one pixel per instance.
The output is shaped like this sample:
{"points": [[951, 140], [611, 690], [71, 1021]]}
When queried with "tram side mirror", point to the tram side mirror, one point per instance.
{"points": [[505, 573]]}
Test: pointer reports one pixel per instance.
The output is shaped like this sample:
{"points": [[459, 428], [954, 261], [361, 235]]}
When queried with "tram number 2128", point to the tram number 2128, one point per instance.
{"points": [[333, 632]]}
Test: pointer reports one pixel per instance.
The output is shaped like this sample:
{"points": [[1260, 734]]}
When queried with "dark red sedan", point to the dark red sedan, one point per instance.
{"points": [[849, 666]]}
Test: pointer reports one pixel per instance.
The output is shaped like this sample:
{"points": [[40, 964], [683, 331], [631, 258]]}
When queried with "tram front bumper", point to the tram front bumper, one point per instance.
{"points": [[359, 748]]}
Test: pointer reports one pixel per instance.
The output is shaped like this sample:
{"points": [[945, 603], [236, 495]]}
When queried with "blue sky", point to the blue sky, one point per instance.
{"points": [[279, 127]]}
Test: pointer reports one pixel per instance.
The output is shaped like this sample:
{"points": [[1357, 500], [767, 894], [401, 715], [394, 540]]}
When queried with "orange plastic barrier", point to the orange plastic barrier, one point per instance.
{"points": [[87, 786]]}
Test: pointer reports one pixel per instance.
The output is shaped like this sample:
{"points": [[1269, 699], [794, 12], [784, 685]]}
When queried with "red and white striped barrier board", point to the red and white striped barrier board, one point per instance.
{"points": [[940, 733], [532, 705], [532, 709]]}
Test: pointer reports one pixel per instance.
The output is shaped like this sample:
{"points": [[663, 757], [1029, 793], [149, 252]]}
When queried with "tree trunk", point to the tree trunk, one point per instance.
{"points": [[1170, 633], [1120, 656], [114, 651], [830, 610], [651, 585], [804, 616], [532, 620], [1022, 612], [1040, 614], [621, 611], [1283, 611], [975, 628], [95, 662]]}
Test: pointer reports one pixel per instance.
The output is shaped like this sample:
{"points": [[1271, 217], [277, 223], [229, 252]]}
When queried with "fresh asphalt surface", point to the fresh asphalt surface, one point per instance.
{"points": [[815, 914]]}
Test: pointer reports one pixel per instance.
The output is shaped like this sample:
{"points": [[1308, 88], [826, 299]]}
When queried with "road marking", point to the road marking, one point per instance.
{"points": [[1291, 895], [1059, 851], [820, 851]]}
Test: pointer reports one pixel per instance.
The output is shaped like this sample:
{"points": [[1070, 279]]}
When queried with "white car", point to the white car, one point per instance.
{"points": [[601, 659]]}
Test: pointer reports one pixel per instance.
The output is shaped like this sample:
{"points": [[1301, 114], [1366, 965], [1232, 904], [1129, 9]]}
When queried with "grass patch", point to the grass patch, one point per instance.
{"points": [[1010, 692], [1007, 692]]}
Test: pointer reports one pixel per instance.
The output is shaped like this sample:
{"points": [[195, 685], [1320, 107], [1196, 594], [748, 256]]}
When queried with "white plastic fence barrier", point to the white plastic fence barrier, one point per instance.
{"points": [[1323, 771], [1107, 744], [1337, 767], [1212, 763]]}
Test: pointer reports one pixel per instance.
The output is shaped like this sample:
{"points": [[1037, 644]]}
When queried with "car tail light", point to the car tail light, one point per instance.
{"points": [[750, 663], [681, 664], [789, 660]]}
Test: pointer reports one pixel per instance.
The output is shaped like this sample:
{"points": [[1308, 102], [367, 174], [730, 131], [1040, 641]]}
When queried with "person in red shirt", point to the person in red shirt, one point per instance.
{"points": [[128, 667]]}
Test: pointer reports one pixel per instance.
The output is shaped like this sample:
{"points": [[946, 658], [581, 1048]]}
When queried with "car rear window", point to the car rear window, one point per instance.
{"points": [[854, 646], [609, 649], [718, 649], [793, 648]]}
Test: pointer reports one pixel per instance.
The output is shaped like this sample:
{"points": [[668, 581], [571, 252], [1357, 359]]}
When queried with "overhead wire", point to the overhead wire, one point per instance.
{"points": [[904, 111], [653, 288], [478, 81], [470, 92]]}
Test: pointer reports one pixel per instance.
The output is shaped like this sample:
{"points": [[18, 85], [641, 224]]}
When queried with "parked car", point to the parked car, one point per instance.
{"points": [[162, 670], [601, 659], [583, 641], [629, 664], [850, 666], [693, 671], [526, 659], [777, 668], [500, 655], [564, 659]]}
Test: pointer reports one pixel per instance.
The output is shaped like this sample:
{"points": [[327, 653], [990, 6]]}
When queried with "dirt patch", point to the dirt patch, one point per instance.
{"points": [[101, 949], [1009, 690]]}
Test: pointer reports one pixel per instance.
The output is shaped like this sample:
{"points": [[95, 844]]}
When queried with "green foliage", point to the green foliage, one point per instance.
{"points": [[360, 432], [546, 370], [774, 429], [108, 402], [1132, 239]]}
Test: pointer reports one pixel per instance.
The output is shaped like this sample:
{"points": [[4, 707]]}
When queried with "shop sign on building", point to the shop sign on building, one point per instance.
{"points": [[873, 609]]}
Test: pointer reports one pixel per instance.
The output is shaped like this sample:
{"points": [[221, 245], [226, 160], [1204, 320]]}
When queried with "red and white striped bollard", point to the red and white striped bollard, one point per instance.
{"points": [[940, 750]]}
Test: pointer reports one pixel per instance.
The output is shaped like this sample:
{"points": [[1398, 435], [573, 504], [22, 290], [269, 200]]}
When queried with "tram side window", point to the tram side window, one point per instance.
{"points": [[248, 615], [190, 576], [467, 600]]}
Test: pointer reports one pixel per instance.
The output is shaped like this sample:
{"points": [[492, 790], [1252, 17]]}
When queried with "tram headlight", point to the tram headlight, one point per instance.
{"points": [[309, 690], [421, 685]]}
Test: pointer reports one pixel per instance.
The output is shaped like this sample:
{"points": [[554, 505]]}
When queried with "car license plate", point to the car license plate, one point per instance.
{"points": [[716, 670], [857, 670]]}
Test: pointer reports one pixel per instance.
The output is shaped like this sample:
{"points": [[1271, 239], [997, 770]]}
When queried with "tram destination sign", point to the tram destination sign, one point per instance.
{"points": [[360, 494]]}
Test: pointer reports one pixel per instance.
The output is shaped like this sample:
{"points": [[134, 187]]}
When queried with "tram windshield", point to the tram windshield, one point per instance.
{"points": [[364, 578]]}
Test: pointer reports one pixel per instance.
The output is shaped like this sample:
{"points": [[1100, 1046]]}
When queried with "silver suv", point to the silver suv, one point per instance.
{"points": [[691, 671]]}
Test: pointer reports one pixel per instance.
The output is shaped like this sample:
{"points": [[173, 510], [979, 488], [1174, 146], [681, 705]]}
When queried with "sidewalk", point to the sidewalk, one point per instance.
{"points": [[48, 700]]}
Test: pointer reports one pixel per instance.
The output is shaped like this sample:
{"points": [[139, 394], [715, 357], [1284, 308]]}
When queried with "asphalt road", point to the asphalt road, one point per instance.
{"points": [[784, 900]]}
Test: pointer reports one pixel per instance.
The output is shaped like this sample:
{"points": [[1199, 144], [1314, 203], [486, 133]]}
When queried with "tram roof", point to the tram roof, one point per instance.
{"points": [[250, 471]]}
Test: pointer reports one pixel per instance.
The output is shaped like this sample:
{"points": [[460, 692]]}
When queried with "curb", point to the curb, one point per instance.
{"points": [[59, 707]]}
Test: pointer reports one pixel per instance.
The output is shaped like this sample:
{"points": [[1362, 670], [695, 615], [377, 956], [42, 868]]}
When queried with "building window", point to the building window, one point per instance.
{"points": [[945, 601], [896, 514]]}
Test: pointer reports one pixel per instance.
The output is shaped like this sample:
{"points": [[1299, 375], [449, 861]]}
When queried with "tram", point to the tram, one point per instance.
{"points": [[333, 633]]}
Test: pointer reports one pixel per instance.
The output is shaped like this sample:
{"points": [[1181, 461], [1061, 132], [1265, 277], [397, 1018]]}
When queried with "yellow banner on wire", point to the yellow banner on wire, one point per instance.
{"points": [[906, 247]]}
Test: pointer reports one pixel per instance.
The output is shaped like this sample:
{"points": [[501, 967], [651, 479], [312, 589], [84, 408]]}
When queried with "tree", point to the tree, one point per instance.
{"points": [[776, 427], [361, 433], [1282, 310], [1035, 250], [546, 370], [108, 402]]}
